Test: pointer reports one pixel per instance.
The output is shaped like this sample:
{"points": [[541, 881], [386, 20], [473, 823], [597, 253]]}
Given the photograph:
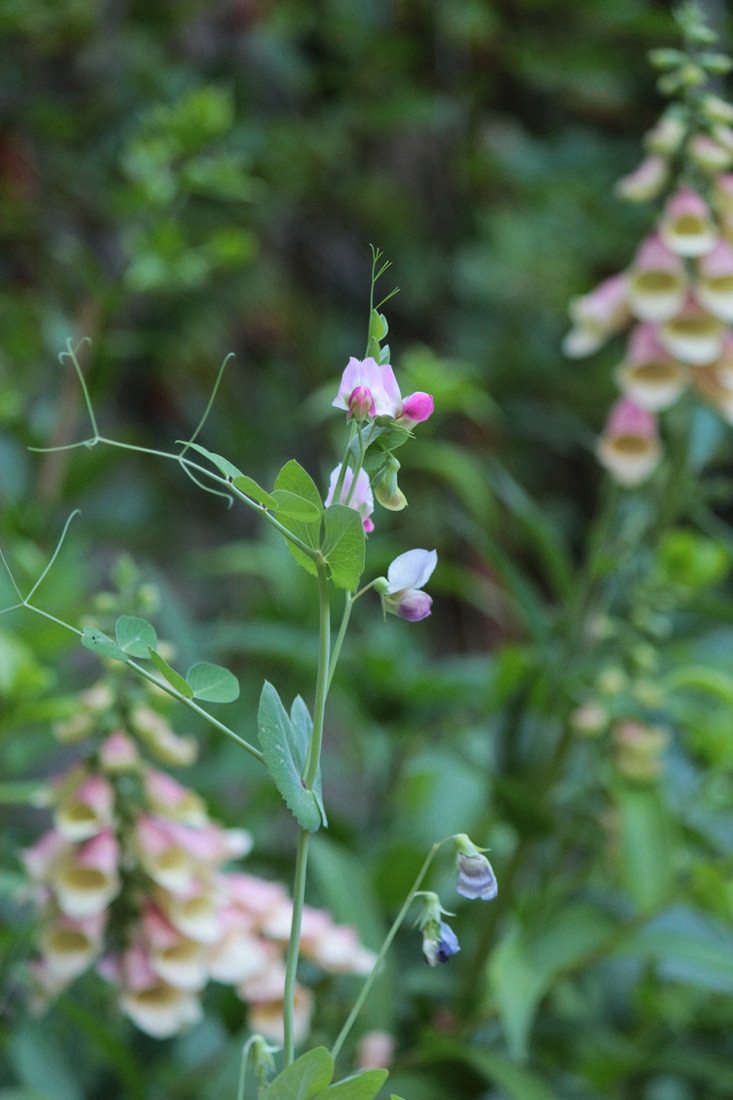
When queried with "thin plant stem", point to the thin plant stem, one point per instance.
{"points": [[291, 962], [70, 353], [336, 651], [369, 982], [55, 554]]}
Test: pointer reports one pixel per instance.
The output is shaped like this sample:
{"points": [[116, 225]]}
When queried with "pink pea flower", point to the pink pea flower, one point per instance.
{"points": [[405, 578], [374, 382], [362, 499], [416, 408], [629, 447]]}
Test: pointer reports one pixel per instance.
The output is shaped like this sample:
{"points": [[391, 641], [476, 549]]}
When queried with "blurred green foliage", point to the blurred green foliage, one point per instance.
{"points": [[180, 181]]}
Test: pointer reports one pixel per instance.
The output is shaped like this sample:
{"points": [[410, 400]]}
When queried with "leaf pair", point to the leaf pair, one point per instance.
{"points": [[285, 740], [136, 637], [310, 1077]]}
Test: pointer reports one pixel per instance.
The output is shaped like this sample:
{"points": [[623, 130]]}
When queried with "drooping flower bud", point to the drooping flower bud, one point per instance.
{"points": [[405, 578], [596, 316], [386, 489], [709, 155], [666, 136], [476, 878], [645, 182], [439, 941]]}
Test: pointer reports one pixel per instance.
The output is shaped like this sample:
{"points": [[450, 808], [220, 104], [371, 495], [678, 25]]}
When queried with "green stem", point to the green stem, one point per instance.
{"points": [[311, 770], [369, 982], [344, 463], [336, 651], [291, 963]]}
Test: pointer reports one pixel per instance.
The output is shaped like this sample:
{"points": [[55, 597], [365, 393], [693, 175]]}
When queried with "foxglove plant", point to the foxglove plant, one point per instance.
{"points": [[195, 919], [677, 292]]}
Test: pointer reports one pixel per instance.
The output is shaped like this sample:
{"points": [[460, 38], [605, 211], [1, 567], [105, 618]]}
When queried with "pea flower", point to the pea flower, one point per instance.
{"points": [[368, 388], [439, 941], [476, 878], [406, 576], [361, 499]]}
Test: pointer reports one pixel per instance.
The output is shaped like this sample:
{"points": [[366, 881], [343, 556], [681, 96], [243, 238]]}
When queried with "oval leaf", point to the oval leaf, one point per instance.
{"points": [[212, 683], [223, 464], [135, 637], [308, 1076], [100, 644], [250, 488], [343, 545], [282, 750], [174, 678], [361, 1086], [295, 507], [295, 480]]}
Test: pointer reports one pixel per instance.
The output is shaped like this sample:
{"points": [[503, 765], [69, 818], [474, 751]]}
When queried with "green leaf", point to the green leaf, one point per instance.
{"points": [[212, 683], [174, 678], [281, 750], [249, 486], [135, 637], [294, 480], [295, 507], [308, 1076], [525, 963], [222, 464], [646, 848], [100, 644], [360, 1086], [343, 545], [301, 725]]}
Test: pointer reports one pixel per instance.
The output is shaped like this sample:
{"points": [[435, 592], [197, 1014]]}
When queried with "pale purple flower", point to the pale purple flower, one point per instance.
{"points": [[476, 878], [405, 578], [361, 500], [378, 379]]}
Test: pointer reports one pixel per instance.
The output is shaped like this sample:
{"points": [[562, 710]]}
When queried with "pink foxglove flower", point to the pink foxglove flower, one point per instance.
{"points": [[596, 316], [667, 135], [629, 447], [686, 225], [694, 336], [714, 289], [646, 181], [657, 281], [118, 752], [361, 499], [709, 155], [376, 380], [649, 375], [405, 579], [87, 810]]}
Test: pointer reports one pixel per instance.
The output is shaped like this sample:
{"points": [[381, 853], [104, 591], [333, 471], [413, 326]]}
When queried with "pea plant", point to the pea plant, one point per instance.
{"points": [[132, 875]]}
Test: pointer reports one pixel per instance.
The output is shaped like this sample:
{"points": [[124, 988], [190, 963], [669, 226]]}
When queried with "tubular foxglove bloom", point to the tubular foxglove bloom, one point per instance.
{"points": [[709, 155], [596, 316], [667, 135], [694, 336], [657, 285], [476, 878], [406, 576], [649, 375], [714, 289], [361, 499], [629, 448], [686, 226], [646, 181]]}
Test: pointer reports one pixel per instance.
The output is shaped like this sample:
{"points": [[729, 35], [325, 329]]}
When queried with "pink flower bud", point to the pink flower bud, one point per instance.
{"points": [[118, 753], [645, 182], [417, 407], [361, 403], [101, 853]]}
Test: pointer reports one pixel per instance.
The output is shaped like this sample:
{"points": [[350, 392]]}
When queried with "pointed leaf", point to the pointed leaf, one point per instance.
{"points": [[174, 678], [294, 506], [293, 479], [305, 1079], [212, 683], [249, 486], [135, 636], [100, 644], [301, 725], [343, 545], [281, 747], [360, 1086], [223, 464]]}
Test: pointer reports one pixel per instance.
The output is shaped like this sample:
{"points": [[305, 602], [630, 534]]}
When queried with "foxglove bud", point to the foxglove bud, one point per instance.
{"points": [[476, 878]]}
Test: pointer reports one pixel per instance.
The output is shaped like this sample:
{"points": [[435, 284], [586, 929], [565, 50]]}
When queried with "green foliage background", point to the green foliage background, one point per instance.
{"points": [[178, 181]]}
